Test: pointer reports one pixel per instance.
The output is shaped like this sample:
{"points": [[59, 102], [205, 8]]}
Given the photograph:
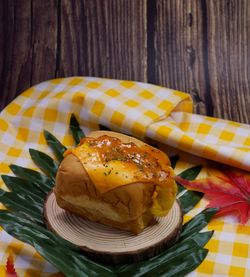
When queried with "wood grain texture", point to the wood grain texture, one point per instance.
{"points": [[43, 37], [109, 245], [201, 47], [228, 30], [179, 49], [103, 38], [15, 54]]}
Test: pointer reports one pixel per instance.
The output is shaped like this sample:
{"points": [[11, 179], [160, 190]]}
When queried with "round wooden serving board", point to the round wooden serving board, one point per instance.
{"points": [[110, 245]]}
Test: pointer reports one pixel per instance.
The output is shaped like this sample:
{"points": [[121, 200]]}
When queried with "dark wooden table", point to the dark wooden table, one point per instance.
{"points": [[198, 46]]}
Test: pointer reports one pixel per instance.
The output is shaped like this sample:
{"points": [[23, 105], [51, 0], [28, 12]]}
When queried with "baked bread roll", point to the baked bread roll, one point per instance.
{"points": [[116, 180]]}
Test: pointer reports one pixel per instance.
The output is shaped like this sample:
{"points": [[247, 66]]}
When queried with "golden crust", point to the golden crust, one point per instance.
{"points": [[125, 207]]}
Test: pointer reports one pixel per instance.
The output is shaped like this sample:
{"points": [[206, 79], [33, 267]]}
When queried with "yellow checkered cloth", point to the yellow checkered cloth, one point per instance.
{"points": [[139, 109]]}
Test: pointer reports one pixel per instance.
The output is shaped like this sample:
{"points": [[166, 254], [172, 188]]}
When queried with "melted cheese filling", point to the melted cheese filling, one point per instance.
{"points": [[111, 163]]}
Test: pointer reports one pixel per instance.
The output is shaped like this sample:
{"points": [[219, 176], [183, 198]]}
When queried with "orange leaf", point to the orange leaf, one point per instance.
{"points": [[227, 189], [10, 269]]}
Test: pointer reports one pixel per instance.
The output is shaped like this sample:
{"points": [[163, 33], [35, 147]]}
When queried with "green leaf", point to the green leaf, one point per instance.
{"points": [[22, 186], [173, 160], [200, 239], [198, 222], [189, 199], [22, 204], [57, 147], [195, 241], [52, 248], [169, 264], [17, 226], [192, 241], [71, 264], [59, 258], [191, 173], [41, 181], [64, 256], [185, 264], [44, 162], [104, 128], [75, 129], [31, 233]]}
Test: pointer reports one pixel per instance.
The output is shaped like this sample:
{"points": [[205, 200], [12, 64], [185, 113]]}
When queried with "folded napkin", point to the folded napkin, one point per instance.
{"points": [[139, 109], [134, 108]]}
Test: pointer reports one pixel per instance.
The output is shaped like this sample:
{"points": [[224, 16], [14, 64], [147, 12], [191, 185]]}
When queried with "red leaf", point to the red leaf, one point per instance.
{"points": [[10, 269], [228, 190]]}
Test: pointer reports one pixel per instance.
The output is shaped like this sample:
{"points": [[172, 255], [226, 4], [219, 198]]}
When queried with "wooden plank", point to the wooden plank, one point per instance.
{"points": [[179, 49], [15, 45], [104, 38], [202, 47], [28, 40], [228, 32], [44, 40]]}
